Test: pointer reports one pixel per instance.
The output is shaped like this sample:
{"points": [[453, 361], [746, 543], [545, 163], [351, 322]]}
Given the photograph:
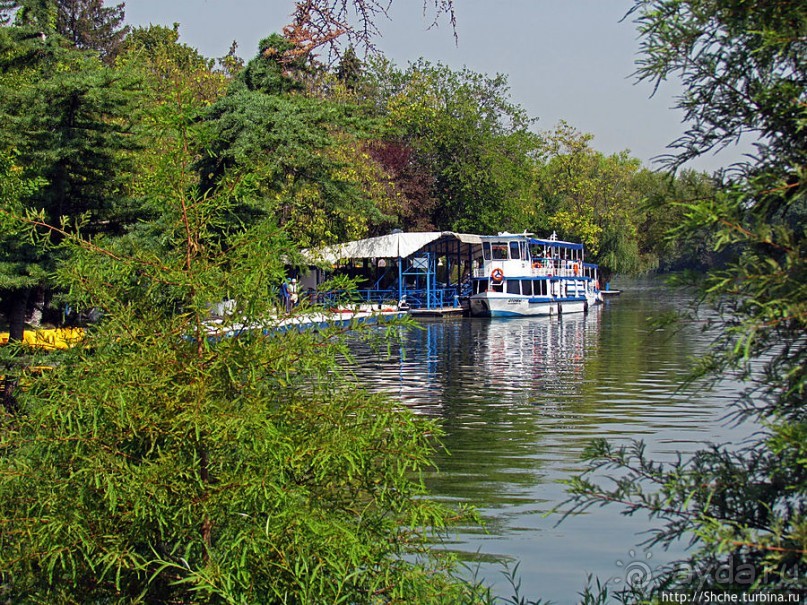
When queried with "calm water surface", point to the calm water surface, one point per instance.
{"points": [[520, 398]]}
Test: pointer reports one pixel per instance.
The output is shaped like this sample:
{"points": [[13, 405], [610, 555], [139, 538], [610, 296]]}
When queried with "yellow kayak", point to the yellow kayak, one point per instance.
{"points": [[49, 339]]}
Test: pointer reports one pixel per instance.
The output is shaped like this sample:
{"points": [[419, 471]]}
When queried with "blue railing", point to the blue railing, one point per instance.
{"points": [[388, 296], [435, 298], [418, 298]]}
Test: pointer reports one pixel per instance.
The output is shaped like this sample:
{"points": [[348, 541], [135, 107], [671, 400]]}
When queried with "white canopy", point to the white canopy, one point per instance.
{"points": [[394, 245]]}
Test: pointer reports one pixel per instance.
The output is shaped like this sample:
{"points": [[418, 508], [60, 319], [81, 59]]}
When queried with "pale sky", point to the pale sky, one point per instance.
{"points": [[569, 60]]}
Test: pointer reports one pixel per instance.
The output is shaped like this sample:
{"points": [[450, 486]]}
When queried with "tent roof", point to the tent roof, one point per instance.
{"points": [[397, 245]]}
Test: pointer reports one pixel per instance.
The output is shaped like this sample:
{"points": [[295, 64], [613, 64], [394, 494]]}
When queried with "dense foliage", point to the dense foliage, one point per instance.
{"points": [[157, 465], [154, 463], [67, 121], [86, 24], [330, 153], [471, 144]]}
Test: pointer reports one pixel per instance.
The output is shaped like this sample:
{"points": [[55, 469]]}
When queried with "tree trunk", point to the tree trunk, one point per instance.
{"points": [[16, 315]]}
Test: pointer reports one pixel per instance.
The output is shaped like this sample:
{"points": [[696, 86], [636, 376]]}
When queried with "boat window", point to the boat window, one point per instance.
{"points": [[481, 286], [486, 250], [524, 251], [540, 287], [526, 287], [499, 251], [513, 286], [514, 251]]}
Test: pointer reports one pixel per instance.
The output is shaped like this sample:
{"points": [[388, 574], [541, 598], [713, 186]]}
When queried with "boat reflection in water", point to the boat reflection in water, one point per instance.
{"points": [[448, 363]]}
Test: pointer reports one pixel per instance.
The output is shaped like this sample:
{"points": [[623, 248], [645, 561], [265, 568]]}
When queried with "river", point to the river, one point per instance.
{"points": [[519, 399]]}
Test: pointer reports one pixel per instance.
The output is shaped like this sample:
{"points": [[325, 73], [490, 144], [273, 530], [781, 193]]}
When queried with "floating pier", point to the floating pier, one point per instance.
{"points": [[438, 312]]}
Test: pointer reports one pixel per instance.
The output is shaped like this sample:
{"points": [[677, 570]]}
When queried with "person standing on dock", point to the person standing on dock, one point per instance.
{"points": [[293, 296], [285, 296]]}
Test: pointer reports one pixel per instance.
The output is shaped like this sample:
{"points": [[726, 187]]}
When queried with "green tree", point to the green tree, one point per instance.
{"points": [[89, 25], [85, 24], [68, 120], [159, 464], [40, 14], [349, 70], [294, 148], [664, 196], [179, 85], [20, 264], [469, 138], [279, 68], [231, 64], [590, 197], [741, 507]]}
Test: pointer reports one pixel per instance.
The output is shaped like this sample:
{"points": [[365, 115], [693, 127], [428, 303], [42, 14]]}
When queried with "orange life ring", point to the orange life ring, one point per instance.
{"points": [[497, 275]]}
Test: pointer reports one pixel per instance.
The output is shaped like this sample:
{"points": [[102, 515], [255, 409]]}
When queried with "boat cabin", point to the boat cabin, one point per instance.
{"points": [[509, 258]]}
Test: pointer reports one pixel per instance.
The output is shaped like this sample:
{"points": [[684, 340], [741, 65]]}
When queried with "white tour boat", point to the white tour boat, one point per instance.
{"points": [[524, 276]]}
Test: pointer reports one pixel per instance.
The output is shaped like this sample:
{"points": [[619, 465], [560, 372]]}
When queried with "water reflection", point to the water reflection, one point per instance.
{"points": [[493, 362], [519, 399]]}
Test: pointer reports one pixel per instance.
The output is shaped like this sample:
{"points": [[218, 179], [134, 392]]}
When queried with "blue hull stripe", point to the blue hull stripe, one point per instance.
{"points": [[506, 314]]}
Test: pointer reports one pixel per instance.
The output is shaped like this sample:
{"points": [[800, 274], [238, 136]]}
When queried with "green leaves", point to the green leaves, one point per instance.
{"points": [[298, 152], [740, 506], [742, 68], [596, 199], [469, 141], [67, 119], [155, 464]]}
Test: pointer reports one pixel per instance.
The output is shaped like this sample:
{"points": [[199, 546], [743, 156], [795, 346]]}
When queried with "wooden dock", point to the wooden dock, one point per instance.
{"points": [[441, 312]]}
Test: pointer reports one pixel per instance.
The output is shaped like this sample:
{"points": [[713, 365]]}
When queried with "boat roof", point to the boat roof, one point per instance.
{"points": [[532, 240], [557, 243]]}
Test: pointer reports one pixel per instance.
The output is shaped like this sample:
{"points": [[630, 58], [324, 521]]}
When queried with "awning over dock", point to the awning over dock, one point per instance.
{"points": [[424, 270], [399, 245]]}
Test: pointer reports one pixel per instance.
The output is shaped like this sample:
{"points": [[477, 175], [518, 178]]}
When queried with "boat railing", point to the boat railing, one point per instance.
{"points": [[379, 296], [540, 268]]}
